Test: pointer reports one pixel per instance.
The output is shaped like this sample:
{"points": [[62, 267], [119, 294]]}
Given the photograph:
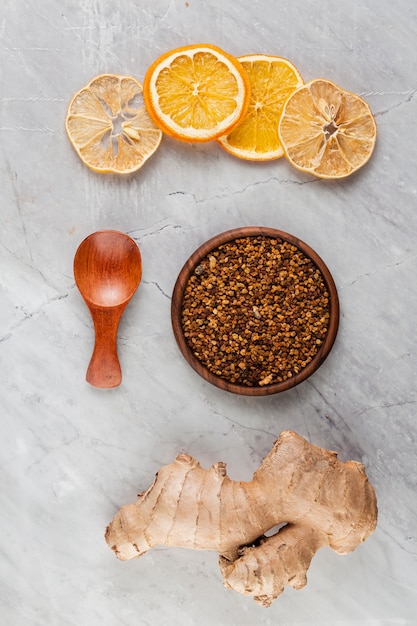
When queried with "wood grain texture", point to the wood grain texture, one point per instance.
{"points": [[178, 294]]}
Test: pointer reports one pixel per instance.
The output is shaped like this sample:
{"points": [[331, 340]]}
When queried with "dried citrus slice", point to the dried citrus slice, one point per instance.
{"points": [[272, 80], [327, 131], [196, 93], [109, 126]]}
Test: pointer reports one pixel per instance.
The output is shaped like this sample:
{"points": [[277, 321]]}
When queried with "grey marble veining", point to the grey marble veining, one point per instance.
{"points": [[70, 454]]}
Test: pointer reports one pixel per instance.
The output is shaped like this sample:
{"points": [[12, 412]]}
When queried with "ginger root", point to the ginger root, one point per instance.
{"points": [[321, 501]]}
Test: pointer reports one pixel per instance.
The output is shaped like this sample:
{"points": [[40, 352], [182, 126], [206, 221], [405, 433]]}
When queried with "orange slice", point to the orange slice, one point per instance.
{"points": [[196, 93], [272, 81], [109, 127], [327, 131]]}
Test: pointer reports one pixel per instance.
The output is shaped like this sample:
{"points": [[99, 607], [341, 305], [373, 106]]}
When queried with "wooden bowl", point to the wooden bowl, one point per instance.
{"points": [[177, 305]]}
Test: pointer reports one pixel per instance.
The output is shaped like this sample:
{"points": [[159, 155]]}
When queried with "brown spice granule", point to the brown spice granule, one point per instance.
{"points": [[255, 311]]}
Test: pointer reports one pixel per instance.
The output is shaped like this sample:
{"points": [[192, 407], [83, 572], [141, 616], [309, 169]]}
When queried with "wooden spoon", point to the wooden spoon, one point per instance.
{"points": [[107, 271]]}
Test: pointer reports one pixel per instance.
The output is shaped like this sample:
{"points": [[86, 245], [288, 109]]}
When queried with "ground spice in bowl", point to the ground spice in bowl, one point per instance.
{"points": [[255, 311]]}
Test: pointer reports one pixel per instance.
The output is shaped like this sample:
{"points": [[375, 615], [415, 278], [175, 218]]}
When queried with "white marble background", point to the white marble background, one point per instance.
{"points": [[70, 454]]}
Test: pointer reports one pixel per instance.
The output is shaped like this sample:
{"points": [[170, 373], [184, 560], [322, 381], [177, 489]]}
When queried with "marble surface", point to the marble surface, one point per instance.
{"points": [[70, 454]]}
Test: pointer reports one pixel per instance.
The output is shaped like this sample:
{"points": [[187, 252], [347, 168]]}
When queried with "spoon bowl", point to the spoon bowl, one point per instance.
{"points": [[107, 271]]}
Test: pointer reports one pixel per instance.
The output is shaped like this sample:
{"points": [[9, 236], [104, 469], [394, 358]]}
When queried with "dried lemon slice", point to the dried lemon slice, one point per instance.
{"points": [[196, 93], [272, 81], [327, 131], [109, 127]]}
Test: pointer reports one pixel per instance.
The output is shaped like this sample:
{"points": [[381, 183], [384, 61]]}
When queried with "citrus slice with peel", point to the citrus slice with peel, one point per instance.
{"points": [[196, 93], [109, 127], [327, 131], [272, 80]]}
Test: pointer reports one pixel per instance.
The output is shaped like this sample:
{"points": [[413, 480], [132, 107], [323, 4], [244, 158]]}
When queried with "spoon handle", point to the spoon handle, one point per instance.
{"points": [[104, 369]]}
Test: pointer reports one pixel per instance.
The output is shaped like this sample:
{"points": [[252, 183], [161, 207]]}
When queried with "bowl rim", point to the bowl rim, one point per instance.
{"points": [[178, 293]]}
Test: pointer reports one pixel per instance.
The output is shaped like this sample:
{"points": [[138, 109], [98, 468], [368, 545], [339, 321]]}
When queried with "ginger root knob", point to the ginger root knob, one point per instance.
{"points": [[321, 501]]}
